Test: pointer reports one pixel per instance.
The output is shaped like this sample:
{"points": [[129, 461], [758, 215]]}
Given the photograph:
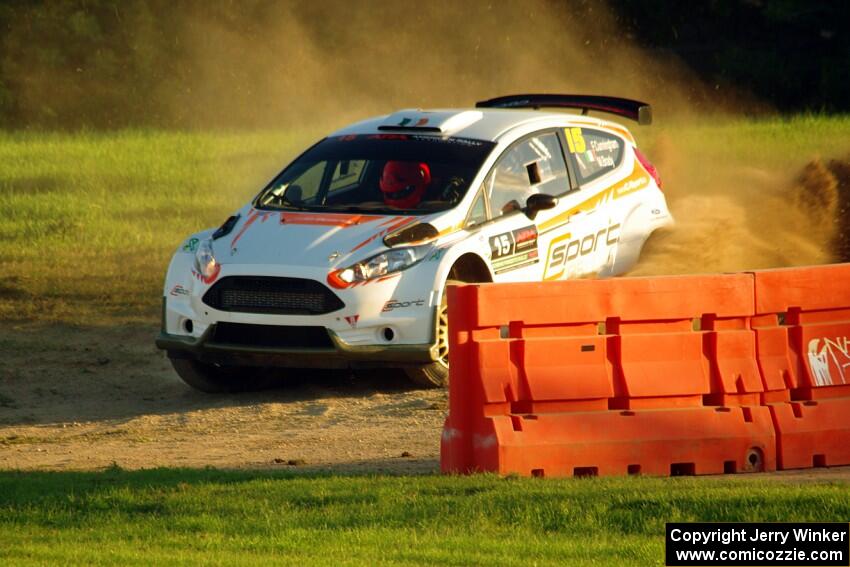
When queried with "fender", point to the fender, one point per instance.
{"points": [[633, 235], [450, 252], [180, 267], [179, 283]]}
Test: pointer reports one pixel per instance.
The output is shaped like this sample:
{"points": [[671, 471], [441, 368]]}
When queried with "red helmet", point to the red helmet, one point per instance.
{"points": [[403, 183]]}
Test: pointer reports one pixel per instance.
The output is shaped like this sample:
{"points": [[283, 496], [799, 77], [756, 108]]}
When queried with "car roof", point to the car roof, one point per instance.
{"points": [[477, 123]]}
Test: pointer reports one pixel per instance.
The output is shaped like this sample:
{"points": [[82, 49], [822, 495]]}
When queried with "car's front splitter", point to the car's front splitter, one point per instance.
{"points": [[339, 355]]}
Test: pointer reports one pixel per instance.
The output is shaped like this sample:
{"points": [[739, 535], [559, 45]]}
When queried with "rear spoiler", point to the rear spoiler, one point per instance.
{"points": [[635, 110]]}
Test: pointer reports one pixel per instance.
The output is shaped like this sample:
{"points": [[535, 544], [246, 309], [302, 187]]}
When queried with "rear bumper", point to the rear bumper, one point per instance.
{"points": [[340, 355]]}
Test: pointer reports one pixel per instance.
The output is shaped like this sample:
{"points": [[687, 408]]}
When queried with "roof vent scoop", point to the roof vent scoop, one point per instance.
{"points": [[444, 122]]}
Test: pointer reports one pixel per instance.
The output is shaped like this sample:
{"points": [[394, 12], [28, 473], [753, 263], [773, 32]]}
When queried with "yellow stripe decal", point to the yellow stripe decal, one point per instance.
{"points": [[634, 182]]}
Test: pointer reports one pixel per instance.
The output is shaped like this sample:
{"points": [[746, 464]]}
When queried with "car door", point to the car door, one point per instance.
{"points": [[519, 245]]}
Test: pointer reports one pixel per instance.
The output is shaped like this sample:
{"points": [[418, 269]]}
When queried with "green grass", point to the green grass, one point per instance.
{"points": [[90, 220], [769, 143], [170, 516]]}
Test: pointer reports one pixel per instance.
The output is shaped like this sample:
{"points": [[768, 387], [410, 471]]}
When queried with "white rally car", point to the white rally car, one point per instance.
{"points": [[342, 260]]}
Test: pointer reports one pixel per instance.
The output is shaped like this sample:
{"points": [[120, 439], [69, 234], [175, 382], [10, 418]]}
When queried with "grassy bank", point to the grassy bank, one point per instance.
{"points": [[209, 516], [90, 220]]}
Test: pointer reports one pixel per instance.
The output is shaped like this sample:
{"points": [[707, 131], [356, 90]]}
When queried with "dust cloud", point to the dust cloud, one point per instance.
{"points": [[287, 64], [736, 217], [311, 66]]}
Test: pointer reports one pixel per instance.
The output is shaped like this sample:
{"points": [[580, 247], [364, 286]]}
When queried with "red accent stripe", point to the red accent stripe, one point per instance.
{"points": [[252, 216], [323, 219]]}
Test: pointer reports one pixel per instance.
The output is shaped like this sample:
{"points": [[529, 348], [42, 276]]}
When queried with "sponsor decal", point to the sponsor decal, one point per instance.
{"points": [[352, 320], [437, 255], [514, 250], [630, 186], [565, 249], [393, 304], [417, 137], [387, 137], [457, 141], [179, 290], [191, 245], [825, 354]]}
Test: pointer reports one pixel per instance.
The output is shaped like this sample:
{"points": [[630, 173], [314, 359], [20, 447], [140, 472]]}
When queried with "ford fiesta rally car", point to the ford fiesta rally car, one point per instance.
{"points": [[342, 260]]}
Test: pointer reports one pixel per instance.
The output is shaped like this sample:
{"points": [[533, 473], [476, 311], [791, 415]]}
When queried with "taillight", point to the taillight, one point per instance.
{"points": [[650, 169]]}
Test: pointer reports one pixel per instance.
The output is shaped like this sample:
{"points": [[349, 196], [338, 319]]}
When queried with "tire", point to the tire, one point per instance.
{"points": [[436, 374], [214, 379]]}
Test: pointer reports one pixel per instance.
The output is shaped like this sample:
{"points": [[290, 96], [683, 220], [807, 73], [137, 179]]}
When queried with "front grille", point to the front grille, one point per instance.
{"points": [[279, 296], [272, 336]]}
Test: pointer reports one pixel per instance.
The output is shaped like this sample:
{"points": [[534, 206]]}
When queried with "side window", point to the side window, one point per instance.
{"points": [[306, 186], [478, 212], [593, 153], [534, 165], [302, 188], [346, 174]]}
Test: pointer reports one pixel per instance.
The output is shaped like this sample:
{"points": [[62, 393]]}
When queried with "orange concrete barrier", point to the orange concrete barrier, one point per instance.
{"points": [[803, 325], [670, 375], [585, 377]]}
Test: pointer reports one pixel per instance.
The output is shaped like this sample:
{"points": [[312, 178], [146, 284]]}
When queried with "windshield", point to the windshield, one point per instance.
{"points": [[389, 173]]}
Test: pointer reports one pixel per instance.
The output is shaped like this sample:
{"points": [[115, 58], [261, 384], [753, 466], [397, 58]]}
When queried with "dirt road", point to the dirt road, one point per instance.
{"points": [[84, 398], [87, 398]]}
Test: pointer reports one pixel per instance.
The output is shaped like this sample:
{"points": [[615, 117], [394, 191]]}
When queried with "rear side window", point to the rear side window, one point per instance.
{"points": [[592, 152]]}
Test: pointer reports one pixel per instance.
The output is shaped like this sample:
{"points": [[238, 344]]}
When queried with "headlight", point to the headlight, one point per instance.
{"points": [[205, 262], [380, 265]]}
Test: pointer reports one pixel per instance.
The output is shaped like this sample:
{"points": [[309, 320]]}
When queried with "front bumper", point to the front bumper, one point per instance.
{"points": [[340, 355]]}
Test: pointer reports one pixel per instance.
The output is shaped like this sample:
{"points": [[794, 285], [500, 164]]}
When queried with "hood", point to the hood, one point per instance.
{"points": [[310, 239]]}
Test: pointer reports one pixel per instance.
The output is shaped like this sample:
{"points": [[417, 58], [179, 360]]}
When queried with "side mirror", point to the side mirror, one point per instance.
{"points": [[539, 202]]}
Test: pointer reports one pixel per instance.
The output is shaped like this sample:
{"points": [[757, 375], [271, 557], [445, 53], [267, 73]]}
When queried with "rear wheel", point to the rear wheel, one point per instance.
{"points": [[214, 379], [436, 374]]}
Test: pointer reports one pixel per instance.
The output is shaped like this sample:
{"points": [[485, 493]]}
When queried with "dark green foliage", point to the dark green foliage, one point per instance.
{"points": [[793, 54]]}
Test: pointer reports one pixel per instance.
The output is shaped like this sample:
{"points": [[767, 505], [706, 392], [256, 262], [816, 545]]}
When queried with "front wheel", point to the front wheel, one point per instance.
{"points": [[436, 374], [214, 379]]}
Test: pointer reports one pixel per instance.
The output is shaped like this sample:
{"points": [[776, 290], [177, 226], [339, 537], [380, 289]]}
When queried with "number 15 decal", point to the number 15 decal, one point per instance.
{"points": [[575, 140], [502, 245], [514, 242]]}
